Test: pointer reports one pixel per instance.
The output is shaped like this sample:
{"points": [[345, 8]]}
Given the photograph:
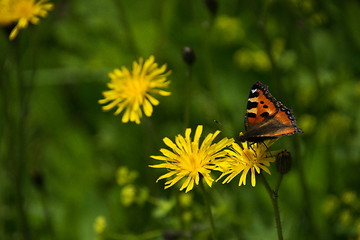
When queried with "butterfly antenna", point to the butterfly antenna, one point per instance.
{"points": [[251, 146], [217, 122]]}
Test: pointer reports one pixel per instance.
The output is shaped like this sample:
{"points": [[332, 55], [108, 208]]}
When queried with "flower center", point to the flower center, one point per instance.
{"points": [[137, 88], [192, 163], [249, 154], [24, 9]]}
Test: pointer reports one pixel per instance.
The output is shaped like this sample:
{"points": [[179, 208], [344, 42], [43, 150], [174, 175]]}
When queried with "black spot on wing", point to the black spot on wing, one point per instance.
{"points": [[251, 105], [264, 114], [265, 106], [251, 115]]}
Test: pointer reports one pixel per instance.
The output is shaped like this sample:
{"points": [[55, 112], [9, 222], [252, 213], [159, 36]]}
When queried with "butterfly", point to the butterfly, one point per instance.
{"points": [[266, 118]]}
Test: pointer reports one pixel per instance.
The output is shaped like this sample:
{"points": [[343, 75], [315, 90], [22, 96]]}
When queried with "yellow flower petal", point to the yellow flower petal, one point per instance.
{"points": [[148, 109], [152, 100]]}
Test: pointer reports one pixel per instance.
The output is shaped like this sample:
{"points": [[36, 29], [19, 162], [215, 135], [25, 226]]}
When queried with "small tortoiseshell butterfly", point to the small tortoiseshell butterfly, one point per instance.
{"points": [[266, 118]]}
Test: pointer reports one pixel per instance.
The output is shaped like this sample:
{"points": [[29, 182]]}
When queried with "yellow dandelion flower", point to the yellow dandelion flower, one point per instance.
{"points": [[244, 158], [22, 12], [129, 91], [190, 160]]}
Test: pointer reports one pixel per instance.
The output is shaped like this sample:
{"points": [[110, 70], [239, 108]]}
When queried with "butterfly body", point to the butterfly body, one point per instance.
{"points": [[266, 118]]}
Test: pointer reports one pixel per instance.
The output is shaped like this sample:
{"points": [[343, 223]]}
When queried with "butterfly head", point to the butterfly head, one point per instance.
{"points": [[242, 138]]}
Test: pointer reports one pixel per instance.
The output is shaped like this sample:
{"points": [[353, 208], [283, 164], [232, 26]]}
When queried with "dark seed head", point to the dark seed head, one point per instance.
{"points": [[188, 55], [37, 179], [172, 234], [212, 6], [283, 162]]}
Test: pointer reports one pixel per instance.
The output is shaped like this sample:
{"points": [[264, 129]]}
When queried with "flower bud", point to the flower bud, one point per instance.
{"points": [[37, 179], [188, 55], [283, 162], [171, 234], [212, 6]]}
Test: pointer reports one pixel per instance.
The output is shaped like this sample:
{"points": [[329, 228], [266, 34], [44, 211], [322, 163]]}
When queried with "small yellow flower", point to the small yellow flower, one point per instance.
{"points": [[187, 216], [100, 224], [244, 158], [185, 200], [261, 61], [125, 176], [129, 91], [229, 29], [349, 197], [346, 217], [244, 58], [128, 195], [22, 12], [190, 160], [330, 205]]}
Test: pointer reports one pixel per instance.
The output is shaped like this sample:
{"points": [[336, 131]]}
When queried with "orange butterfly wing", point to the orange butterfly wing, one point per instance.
{"points": [[266, 117]]}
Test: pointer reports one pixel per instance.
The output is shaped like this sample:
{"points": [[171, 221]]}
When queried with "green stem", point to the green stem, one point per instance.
{"points": [[187, 96], [208, 209], [18, 148], [274, 196], [208, 64], [278, 182]]}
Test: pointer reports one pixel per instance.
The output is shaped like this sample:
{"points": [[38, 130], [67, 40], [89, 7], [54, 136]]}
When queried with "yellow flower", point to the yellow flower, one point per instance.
{"points": [[346, 217], [125, 176], [131, 90], [246, 157], [229, 29], [100, 224], [261, 61], [128, 195], [22, 12], [190, 160], [244, 58], [330, 205], [185, 200], [349, 197]]}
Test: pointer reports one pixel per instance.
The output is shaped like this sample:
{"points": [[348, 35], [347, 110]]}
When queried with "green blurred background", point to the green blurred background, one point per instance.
{"points": [[61, 154]]}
